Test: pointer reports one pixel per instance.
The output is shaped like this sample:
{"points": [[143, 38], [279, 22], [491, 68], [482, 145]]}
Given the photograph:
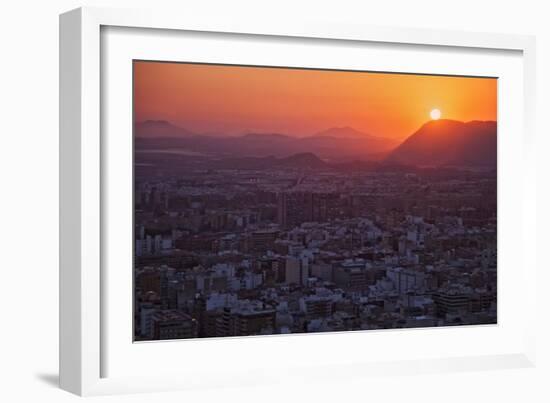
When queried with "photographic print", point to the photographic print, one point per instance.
{"points": [[275, 200]]}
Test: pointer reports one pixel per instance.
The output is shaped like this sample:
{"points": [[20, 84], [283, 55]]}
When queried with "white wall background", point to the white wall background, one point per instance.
{"points": [[29, 201]]}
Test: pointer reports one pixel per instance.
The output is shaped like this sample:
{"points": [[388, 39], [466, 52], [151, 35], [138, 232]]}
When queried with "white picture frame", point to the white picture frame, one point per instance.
{"points": [[84, 173]]}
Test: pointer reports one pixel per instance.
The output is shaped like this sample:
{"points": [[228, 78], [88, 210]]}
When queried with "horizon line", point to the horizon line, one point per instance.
{"points": [[245, 133]]}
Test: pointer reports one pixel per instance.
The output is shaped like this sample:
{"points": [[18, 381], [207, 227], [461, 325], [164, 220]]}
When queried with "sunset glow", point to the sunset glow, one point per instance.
{"points": [[235, 99], [435, 114]]}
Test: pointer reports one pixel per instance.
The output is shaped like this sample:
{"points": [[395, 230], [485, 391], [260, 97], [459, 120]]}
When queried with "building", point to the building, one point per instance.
{"points": [[262, 241], [272, 269], [295, 208], [352, 275], [149, 280], [456, 300], [146, 314], [405, 281], [246, 319], [322, 271], [173, 324], [296, 270], [316, 307]]}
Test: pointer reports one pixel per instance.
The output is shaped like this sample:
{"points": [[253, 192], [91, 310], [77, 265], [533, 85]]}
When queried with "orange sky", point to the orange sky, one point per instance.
{"points": [[235, 99]]}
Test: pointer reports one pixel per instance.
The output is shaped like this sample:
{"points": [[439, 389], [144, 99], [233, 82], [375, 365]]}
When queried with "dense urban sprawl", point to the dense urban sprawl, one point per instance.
{"points": [[275, 250]]}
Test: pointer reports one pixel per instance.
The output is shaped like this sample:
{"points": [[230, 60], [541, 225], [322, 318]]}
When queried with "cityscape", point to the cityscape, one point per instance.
{"points": [[243, 229]]}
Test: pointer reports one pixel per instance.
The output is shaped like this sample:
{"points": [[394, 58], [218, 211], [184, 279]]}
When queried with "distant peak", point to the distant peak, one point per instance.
{"points": [[448, 123], [265, 135], [481, 122], [341, 132], [443, 122], [475, 121], [160, 128], [305, 155]]}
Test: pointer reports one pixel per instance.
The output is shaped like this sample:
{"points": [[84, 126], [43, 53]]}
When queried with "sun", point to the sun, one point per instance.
{"points": [[435, 114]]}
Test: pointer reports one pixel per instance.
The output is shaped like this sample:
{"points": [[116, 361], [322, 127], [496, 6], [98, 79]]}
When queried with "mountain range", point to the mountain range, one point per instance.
{"points": [[345, 132], [341, 143], [160, 129], [436, 143], [164, 128]]}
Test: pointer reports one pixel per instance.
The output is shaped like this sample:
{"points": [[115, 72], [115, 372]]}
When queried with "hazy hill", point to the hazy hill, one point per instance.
{"points": [[343, 133], [303, 160], [160, 128], [332, 144], [449, 142]]}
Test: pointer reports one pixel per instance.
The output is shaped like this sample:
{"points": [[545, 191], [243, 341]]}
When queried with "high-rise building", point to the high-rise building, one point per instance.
{"points": [[145, 323], [245, 320], [263, 240], [295, 208], [405, 280], [296, 270]]}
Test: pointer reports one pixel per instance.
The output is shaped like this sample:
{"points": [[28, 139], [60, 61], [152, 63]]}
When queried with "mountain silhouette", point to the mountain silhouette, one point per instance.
{"points": [[160, 134], [160, 129], [302, 160], [343, 133], [449, 143]]}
